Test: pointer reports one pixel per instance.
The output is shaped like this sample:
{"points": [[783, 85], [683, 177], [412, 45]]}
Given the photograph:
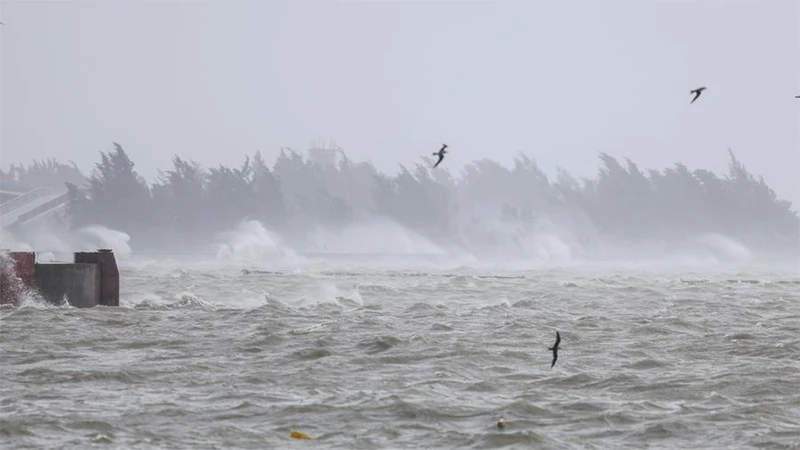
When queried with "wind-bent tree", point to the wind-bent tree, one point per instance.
{"points": [[46, 173], [117, 196], [296, 195]]}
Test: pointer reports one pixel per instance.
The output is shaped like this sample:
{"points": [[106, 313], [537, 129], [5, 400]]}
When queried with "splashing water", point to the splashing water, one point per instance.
{"points": [[547, 247], [373, 236], [724, 247], [512, 239], [51, 244], [97, 236], [251, 242], [12, 290]]}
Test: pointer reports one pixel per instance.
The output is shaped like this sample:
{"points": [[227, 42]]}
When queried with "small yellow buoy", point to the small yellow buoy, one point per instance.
{"points": [[294, 434]]}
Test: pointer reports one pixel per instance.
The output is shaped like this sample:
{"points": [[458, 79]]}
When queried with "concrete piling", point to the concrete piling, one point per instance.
{"points": [[109, 273], [79, 284]]}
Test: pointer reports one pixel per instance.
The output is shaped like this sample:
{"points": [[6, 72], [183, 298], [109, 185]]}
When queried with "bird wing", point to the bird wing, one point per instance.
{"points": [[558, 339], [555, 357], [696, 94], [441, 157]]}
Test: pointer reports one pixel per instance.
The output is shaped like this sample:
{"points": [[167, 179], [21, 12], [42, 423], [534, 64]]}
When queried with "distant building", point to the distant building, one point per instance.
{"points": [[324, 156]]}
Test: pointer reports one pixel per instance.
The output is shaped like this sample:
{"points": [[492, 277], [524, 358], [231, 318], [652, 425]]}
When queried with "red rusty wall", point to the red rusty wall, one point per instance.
{"points": [[23, 265]]}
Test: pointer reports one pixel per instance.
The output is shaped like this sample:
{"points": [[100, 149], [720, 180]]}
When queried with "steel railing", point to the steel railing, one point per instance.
{"points": [[28, 197]]}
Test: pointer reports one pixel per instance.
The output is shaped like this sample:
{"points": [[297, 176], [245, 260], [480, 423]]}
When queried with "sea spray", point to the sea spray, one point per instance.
{"points": [[57, 243], [498, 238], [251, 242], [375, 235], [724, 247], [92, 237]]}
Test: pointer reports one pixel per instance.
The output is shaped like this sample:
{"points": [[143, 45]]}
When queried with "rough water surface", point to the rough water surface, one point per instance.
{"points": [[202, 358]]}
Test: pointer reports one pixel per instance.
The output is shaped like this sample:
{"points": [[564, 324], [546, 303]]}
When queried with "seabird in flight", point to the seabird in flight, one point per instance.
{"points": [[697, 93], [554, 348], [440, 153]]}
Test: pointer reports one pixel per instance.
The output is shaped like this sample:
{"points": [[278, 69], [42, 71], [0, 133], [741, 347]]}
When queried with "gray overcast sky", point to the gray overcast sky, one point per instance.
{"points": [[390, 81]]}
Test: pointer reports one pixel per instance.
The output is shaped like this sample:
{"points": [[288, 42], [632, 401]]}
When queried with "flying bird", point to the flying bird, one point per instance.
{"points": [[797, 96], [440, 154], [697, 93], [554, 348]]}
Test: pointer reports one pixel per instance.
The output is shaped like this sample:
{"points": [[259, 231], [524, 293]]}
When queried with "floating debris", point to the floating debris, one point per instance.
{"points": [[501, 422], [294, 434]]}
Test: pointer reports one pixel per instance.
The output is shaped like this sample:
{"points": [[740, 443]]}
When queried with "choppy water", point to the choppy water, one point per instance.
{"points": [[357, 358]]}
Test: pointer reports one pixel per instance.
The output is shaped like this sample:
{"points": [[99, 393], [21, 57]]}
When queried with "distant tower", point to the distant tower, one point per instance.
{"points": [[326, 156]]}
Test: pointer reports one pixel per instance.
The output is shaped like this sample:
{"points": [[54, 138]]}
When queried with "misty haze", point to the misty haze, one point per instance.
{"points": [[299, 260]]}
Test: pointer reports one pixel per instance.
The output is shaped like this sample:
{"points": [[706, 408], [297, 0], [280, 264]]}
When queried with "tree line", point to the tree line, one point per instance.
{"points": [[295, 194], [46, 173]]}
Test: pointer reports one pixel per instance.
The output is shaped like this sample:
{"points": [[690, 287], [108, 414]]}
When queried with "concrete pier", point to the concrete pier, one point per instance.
{"points": [[92, 279], [78, 284]]}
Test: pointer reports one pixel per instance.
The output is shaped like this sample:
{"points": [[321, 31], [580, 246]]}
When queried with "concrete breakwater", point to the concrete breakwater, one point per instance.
{"points": [[91, 279]]}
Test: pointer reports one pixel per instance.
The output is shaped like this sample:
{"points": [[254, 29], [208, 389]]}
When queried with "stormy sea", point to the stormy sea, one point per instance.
{"points": [[238, 349]]}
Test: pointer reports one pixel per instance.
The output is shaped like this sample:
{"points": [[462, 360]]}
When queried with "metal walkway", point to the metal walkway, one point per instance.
{"points": [[32, 205]]}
